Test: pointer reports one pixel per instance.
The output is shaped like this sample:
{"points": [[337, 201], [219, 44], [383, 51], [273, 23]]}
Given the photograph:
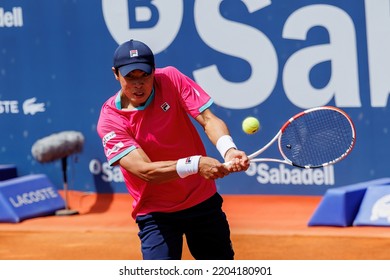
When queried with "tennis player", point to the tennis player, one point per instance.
{"points": [[146, 129]]}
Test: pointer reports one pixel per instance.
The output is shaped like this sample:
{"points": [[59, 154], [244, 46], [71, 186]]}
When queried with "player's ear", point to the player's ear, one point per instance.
{"points": [[116, 72]]}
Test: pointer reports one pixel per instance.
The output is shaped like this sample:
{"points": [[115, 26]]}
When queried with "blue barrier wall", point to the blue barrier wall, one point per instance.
{"points": [[269, 59]]}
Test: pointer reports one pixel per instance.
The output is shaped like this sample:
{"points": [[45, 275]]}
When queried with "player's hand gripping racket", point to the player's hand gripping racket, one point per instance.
{"points": [[313, 138]]}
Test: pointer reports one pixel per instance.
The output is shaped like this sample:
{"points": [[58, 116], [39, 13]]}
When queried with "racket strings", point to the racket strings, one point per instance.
{"points": [[317, 138]]}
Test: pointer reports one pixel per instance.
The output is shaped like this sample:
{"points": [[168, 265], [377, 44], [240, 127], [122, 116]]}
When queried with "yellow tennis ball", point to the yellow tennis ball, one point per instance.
{"points": [[250, 125]]}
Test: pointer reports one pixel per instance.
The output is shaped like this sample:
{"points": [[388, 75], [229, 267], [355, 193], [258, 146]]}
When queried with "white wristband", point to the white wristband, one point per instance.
{"points": [[225, 143], [187, 166]]}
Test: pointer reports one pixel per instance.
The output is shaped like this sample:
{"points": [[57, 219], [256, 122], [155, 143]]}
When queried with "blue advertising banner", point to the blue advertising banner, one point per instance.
{"points": [[261, 58]]}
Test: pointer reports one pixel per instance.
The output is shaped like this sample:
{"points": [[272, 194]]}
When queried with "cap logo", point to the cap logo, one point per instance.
{"points": [[133, 53]]}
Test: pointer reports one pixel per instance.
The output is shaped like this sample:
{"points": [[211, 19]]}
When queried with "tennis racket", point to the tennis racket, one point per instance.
{"points": [[314, 138]]}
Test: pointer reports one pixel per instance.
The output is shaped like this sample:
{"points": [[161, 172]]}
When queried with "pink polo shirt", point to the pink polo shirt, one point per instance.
{"points": [[164, 130]]}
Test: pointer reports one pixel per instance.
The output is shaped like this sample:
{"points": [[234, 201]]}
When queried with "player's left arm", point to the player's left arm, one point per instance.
{"points": [[215, 128]]}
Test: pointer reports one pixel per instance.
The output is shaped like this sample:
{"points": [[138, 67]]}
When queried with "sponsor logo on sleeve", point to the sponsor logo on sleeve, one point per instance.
{"points": [[108, 137]]}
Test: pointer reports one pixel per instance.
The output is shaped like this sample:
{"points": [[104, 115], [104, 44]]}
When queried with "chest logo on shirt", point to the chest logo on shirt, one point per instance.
{"points": [[165, 106]]}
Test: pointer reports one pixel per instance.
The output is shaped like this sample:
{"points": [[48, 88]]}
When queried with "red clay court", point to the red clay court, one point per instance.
{"points": [[263, 228]]}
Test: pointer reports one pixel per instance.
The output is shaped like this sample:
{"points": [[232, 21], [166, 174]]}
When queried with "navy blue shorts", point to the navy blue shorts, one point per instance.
{"points": [[205, 227]]}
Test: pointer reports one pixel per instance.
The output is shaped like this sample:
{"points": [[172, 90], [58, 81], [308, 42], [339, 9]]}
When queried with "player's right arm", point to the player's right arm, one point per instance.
{"points": [[139, 164]]}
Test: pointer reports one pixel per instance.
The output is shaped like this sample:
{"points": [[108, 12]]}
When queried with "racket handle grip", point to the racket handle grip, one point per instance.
{"points": [[227, 163], [230, 162]]}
